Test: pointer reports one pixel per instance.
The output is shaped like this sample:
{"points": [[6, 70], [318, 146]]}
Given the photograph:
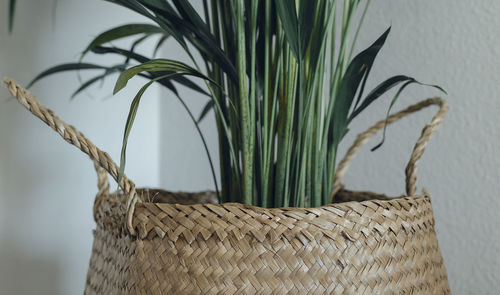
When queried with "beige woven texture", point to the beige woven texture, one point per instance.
{"points": [[367, 244]]}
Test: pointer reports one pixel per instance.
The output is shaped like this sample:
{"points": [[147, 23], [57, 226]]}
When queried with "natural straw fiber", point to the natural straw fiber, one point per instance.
{"points": [[367, 244]]}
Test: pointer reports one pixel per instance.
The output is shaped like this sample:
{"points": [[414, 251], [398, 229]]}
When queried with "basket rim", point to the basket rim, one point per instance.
{"points": [[263, 210], [347, 221], [377, 197]]}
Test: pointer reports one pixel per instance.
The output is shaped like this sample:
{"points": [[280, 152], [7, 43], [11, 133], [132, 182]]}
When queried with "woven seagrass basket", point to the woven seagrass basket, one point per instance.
{"points": [[364, 243]]}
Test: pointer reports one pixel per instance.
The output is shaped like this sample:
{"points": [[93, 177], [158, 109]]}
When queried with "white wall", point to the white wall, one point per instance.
{"points": [[47, 187]]}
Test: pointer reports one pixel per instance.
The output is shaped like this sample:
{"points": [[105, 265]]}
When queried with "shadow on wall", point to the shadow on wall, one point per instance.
{"points": [[23, 273]]}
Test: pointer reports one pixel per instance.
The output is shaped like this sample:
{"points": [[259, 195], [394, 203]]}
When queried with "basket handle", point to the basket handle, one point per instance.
{"points": [[103, 188], [418, 149], [69, 133]]}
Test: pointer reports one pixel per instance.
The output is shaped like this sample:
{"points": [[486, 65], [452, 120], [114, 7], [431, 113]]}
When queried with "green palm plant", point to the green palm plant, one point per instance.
{"points": [[12, 8], [280, 77]]}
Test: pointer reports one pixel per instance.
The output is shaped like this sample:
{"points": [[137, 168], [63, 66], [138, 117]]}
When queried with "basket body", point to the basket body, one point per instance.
{"points": [[367, 247]]}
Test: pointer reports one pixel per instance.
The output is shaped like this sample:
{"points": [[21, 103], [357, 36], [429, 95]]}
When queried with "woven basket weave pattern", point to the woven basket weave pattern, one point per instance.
{"points": [[370, 247], [368, 244]]}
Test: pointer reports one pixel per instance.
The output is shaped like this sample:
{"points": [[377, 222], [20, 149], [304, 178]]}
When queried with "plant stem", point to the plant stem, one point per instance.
{"points": [[247, 136]]}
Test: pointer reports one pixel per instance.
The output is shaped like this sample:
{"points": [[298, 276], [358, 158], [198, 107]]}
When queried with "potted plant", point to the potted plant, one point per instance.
{"points": [[284, 85]]}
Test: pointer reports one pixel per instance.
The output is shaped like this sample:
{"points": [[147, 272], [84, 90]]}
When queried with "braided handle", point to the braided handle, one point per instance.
{"points": [[418, 149], [76, 138], [102, 185]]}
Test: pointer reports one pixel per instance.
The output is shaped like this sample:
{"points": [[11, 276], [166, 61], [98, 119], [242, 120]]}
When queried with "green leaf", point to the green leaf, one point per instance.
{"points": [[166, 17], [188, 13], [201, 39], [306, 19], [123, 52], [130, 122], [88, 83], [142, 59], [377, 92], [350, 83], [134, 6], [159, 44], [12, 9], [134, 106], [135, 44], [156, 65], [207, 108], [288, 16], [393, 101], [122, 32], [65, 68]]}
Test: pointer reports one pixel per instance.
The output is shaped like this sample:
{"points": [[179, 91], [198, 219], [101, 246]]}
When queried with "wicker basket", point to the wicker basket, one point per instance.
{"points": [[367, 244]]}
